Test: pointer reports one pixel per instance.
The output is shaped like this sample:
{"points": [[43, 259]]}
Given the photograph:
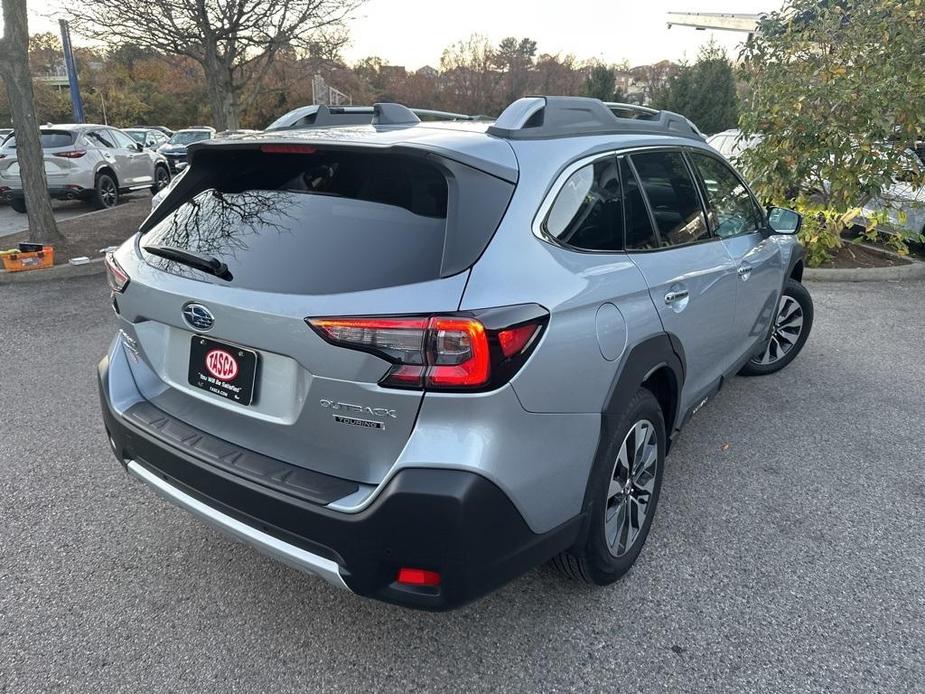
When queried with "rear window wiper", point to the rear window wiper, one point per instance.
{"points": [[208, 264]]}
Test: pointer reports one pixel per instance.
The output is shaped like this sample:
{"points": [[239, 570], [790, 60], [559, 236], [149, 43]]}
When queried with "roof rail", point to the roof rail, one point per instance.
{"points": [[322, 116], [546, 117], [638, 111], [393, 114]]}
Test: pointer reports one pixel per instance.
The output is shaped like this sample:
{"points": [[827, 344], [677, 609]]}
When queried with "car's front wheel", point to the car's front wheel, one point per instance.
{"points": [[623, 494], [106, 193], [792, 323], [18, 204]]}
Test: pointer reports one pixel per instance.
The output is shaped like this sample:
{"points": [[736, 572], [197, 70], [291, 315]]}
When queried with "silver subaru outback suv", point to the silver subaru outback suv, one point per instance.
{"points": [[417, 360]]}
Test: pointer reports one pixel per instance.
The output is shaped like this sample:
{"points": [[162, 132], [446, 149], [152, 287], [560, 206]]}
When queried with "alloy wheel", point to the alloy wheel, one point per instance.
{"points": [[787, 328], [108, 192], [161, 178], [632, 484]]}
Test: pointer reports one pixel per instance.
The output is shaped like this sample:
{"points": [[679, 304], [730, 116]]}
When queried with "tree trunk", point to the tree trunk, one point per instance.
{"points": [[222, 96], [14, 68]]}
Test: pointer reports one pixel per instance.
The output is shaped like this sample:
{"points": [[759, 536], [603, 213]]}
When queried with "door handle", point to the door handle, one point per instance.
{"points": [[745, 271], [675, 296]]}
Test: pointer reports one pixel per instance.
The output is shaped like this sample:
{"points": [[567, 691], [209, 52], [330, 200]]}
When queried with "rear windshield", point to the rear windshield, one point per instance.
{"points": [[327, 222], [137, 135], [50, 139], [189, 136]]}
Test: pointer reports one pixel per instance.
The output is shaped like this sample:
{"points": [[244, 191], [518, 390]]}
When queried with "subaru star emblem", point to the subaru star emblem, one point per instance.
{"points": [[198, 316]]}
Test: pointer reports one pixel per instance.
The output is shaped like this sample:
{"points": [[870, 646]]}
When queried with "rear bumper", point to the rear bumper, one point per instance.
{"points": [[455, 522], [64, 192]]}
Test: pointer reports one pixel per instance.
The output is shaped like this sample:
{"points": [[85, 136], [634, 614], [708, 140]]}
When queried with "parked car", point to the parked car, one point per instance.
{"points": [[3, 135], [95, 163], [731, 144], [152, 138], [167, 131], [175, 148], [235, 133], [419, 359], [902, 204]]}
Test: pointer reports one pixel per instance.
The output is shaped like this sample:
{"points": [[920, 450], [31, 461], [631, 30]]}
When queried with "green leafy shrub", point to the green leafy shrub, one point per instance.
{"points": [[836, 98]]}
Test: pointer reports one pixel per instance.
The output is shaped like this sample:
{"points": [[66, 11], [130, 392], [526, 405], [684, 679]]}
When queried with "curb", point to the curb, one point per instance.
{"points": [[915, 269], [58, 272]]}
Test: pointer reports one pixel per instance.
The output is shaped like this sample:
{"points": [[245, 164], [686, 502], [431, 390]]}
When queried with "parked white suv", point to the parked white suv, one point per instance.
{"points": [[89, 162]]}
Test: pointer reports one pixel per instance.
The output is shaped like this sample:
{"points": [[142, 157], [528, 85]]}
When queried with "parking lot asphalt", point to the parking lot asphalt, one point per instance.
{"points": [[12, 221], [787, 555]]}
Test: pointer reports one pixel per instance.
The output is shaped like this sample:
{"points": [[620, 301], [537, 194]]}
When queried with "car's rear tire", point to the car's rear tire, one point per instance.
{"points": [[18, 204], [792, 324], [106, 193], [623, 495], [161, 179]]}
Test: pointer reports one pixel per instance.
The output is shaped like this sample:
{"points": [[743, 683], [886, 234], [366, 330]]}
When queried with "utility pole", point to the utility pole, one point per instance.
{"points": [[69, 63]]}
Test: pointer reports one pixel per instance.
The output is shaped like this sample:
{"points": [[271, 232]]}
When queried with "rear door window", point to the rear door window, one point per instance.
{"points": [[640, 235], [101, 138], [672, 196]]}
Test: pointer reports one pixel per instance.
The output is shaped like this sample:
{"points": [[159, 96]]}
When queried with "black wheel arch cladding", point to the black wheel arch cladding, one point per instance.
{"points": [[662, 351]]}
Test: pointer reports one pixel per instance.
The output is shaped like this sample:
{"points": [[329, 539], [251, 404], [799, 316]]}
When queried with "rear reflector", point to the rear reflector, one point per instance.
{"points": [[288, 149], [418, 577], [453, 352], [514, 340]]}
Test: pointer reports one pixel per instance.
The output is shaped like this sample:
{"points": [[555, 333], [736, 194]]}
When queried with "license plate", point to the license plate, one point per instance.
{"points": [[222, 369]]}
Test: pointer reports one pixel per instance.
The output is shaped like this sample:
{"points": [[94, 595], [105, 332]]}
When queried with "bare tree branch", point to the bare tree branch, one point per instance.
{"points": [[236, 42]]}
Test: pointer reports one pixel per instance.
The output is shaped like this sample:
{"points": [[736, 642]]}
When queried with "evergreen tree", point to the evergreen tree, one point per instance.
{"points": [[601, 83], [705, 92]]}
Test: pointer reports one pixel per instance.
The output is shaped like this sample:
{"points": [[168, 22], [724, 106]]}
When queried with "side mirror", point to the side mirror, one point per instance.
{"points": [[784, 221], [139, 147]]}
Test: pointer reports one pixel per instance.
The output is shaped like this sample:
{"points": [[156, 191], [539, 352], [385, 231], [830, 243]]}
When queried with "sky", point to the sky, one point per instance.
{"points": [[414, 33]]}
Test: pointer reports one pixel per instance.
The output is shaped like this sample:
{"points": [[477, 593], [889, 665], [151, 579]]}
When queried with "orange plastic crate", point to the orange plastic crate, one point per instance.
{"points": [[17, 262]]}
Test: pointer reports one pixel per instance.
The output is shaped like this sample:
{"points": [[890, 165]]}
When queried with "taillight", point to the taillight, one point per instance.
{"points": [[71, 154], [473, 351], [115, 275]]}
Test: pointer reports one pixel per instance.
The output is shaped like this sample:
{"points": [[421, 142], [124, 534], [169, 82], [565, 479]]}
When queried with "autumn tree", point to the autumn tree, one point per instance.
{"points": [[14, 70], [556, 74], [236, 42], [836, 97], [469, 78]]}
